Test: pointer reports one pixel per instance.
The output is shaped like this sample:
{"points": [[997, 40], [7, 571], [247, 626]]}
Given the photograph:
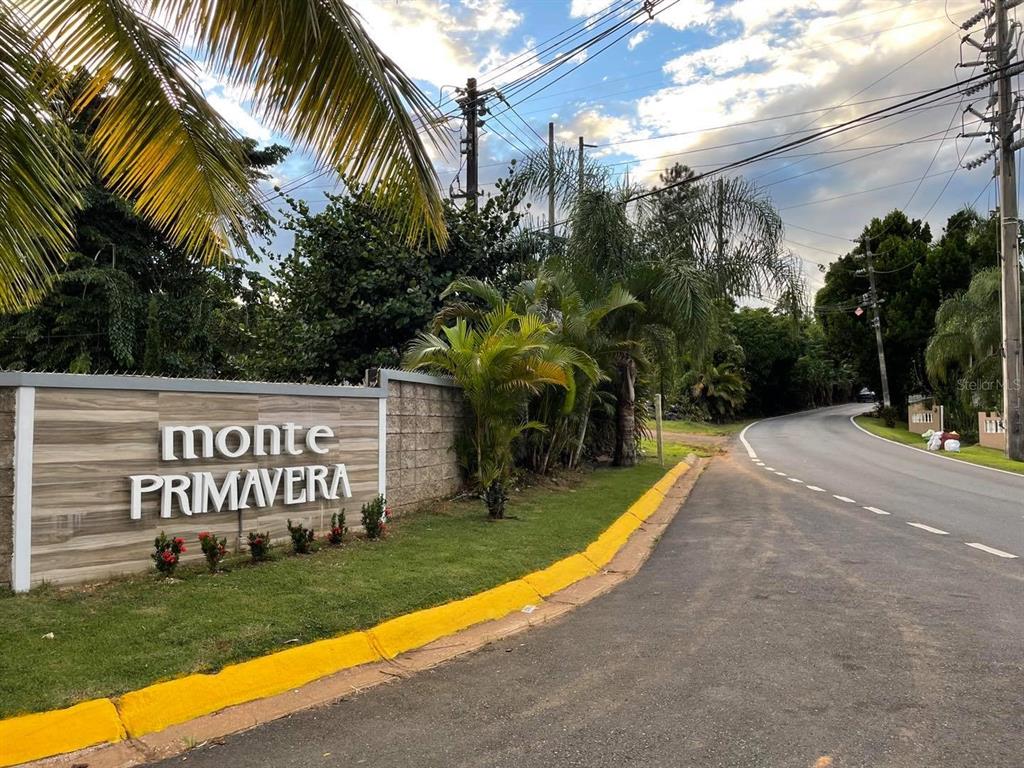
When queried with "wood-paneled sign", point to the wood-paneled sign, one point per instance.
{"points": [[113, 468]]}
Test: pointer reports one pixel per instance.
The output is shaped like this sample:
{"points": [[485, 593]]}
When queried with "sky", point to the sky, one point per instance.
{"points": [[705, 82]]}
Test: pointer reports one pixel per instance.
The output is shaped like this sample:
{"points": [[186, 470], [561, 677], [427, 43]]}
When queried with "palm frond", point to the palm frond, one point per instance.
{"points": [[157, 141], [40, 173], [316, 75]]}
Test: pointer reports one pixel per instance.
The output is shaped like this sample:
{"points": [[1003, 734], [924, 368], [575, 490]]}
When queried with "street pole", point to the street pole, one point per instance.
{"points": [[470, 110], [580, 192], [551, 183], [876, 321], [1009, 231]]}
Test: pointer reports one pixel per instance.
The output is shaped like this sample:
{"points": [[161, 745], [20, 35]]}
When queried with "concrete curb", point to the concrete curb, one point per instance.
{"points": [[168, 717]]}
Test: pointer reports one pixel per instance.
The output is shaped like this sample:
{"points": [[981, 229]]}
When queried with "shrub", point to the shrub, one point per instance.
{"points": [[168, 552], [259, 546], [302, 537], [889, 415], [214, 549], [375, 518], [336, 535]]}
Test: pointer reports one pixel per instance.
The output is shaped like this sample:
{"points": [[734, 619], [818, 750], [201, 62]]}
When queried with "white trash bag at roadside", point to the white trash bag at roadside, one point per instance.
{"points": [[953, 445], [935, 441], [928, 435]]}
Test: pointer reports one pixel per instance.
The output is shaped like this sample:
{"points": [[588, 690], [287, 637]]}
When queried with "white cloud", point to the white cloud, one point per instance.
{"points": [[795, 56], [638, 38], [493, 16]]}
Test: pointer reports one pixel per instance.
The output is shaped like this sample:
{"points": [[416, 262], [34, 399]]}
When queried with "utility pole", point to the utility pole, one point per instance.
{"points": [[582, 171], [580, 183], [474, 106], [998, 58], [551, 182], [1009, 231], [876, 321]]}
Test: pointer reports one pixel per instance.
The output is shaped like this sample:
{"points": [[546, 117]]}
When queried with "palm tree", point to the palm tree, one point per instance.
{"points": [[578, 322], [968, 337], [609, 246], [308, 67], [500, 362], [720, 387]]}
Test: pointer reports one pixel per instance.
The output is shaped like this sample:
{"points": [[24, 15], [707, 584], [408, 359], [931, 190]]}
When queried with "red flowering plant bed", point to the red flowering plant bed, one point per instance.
{"points": [[336, 535], [375, 518], [214, 550], [167, 553], [259, 546]]}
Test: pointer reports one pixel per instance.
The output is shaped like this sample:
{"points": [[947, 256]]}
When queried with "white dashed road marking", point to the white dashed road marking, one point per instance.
{"points": [[770, 469], [876, 510], [815, 488], [990, 550], [795, 480], [783, 474], [846, 499], [928, 528]]}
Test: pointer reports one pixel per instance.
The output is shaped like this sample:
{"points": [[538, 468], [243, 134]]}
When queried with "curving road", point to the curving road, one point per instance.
{"points": [[823, 449], [774, 626]]}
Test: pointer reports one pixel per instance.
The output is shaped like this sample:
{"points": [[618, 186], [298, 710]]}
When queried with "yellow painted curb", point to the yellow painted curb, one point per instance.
{"points": [[31, 737], [158, 706], [560, 575], [415, 629], [611, 541]]}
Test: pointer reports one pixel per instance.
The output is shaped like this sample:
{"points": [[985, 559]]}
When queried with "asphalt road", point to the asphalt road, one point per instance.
{"points": [[773, 626]]}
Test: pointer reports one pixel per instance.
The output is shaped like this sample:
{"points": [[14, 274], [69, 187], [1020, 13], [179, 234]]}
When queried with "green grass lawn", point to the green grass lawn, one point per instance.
{"points": [[674, 452], [704, 427], [974, 454], [128, 633]]}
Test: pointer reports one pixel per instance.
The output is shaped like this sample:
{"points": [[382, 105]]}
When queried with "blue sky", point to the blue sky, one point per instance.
{"points": [[705, 83]]}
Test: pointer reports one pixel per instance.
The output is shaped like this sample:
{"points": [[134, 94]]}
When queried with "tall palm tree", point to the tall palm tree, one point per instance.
{"points": [[308, 67], [968, 338], [608, 246], [501, 361]]}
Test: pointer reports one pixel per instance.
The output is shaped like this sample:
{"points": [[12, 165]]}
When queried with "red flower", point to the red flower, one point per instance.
{"points": [[204, 535], [182, 549], [168, 556]]}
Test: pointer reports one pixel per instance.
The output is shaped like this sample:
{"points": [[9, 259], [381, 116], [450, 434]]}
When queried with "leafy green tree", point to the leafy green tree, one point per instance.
{"points": [[129, 299], [352, 293], [913, 276], [719, 388], [771, 344], [313, 73], [501, 362]]}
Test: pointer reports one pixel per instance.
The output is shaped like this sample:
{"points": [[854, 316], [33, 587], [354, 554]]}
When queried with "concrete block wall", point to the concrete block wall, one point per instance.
{"points": [[921, 418], [991, 430], [6, 483], [424, 423]]}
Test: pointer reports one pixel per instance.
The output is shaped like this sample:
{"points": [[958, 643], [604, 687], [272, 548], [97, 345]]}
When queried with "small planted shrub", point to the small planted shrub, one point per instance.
{"points": [[336, 535], [259, 546], [214, 549], [167, 553], [889, 415], [302, 537], [375, 518]]}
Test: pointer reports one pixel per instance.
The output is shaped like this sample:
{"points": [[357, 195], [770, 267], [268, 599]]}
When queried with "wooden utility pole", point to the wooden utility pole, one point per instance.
{"points": [[1009, 231], [472, 148], [581, 167], [876, 321], [551, 182]]}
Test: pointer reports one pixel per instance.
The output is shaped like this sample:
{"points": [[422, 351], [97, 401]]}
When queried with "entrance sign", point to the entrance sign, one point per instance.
{"points": [[196, 493]]}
